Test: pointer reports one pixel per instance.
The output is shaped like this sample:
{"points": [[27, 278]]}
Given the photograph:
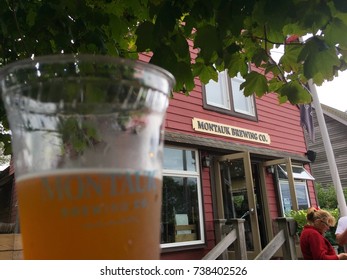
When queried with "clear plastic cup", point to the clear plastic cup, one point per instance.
{"points": [[87, 141]]}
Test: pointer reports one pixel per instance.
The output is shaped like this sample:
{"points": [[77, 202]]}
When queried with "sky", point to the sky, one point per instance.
{"points": [[334, 93], [331, 93]]}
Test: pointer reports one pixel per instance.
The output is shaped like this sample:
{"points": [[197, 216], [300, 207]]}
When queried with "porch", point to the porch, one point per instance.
{"points": [[282, 246]]}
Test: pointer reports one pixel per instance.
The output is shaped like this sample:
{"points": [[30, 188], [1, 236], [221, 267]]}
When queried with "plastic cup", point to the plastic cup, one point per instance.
{"points": [[87, 142]]}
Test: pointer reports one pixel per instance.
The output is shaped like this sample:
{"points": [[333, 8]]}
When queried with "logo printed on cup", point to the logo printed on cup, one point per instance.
{"points": [[86, 187]]}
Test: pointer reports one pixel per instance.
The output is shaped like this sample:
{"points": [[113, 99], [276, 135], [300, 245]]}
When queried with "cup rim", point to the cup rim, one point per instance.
{"points": [[61, 58]]}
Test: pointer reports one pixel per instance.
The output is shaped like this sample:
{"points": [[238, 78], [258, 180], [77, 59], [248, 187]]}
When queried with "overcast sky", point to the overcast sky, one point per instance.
{"points": [[334, 93]]}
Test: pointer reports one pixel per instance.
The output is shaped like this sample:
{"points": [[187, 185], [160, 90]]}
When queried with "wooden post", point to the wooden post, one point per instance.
{"points": [[288, 225], [291, 184], [220, 234], [240, 243]]}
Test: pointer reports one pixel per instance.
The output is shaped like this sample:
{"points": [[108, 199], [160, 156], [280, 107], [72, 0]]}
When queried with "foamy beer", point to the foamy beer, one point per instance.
{"points": [[87, 139]]}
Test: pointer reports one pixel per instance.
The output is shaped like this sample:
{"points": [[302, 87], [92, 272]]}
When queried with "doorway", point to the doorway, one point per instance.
{"points": [[240, 196]]}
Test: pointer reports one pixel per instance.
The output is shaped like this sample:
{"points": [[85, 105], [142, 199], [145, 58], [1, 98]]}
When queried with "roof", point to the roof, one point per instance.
{"points": [[335, 114]]}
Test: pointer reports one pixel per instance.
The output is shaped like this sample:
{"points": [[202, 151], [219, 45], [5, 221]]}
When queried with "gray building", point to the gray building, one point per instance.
{"points": [[336, 122]]}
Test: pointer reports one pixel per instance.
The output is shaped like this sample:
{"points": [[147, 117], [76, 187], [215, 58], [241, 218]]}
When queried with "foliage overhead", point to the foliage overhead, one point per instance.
{"points": [[225, 34]]}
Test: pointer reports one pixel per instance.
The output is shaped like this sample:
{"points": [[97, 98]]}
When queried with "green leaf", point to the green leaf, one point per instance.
{"points": [[321, 65], [180, 44], [31, 17], [255, 83], [237, 64], [207, 73], [166, 19], [183, 73], [320, 60], [259, 57], [208, 41], [180, 69], [294, 93], [170, 61], [341, 5], [335, 33], [275, 84], [230, 17], [290, 59], [272, 68], [145, 36]]}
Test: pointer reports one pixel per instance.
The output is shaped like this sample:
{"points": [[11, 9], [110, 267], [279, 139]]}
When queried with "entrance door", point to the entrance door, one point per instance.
{"points": [[239, 196]]}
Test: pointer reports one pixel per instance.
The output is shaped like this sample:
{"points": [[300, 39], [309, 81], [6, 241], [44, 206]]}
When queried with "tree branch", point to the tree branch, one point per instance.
{"points": [[272, 42]]}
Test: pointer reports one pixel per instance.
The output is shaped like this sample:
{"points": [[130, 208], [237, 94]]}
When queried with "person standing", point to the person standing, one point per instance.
{"points": [[341, 232], [313, 244]]}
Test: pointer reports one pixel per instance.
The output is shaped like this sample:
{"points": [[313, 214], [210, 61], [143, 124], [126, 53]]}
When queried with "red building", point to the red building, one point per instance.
{"points": [[227, 156]]}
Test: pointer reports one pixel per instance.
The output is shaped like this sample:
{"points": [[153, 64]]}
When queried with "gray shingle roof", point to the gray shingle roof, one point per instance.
{"points": [[335, 114]]}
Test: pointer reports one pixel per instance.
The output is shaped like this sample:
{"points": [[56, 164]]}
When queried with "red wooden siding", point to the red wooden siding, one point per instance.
{"points": [[280, 121]]}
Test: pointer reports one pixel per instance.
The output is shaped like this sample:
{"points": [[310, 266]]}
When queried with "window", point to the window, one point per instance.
{"points": [[298, 172], [181, 219], [225, 96], [300, 176], [217, 92], [301, 195]]}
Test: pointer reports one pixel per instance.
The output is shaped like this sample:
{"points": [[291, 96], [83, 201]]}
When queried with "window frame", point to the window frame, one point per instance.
{"points": [[229, 95], [297, 183], [300, 175], [189, 174]]}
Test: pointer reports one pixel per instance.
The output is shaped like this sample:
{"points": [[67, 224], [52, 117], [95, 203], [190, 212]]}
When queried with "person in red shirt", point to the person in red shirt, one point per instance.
{"points": [[313, 244]]}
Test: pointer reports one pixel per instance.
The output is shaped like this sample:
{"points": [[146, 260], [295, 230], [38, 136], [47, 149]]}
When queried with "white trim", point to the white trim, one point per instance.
{"points": [[297, 183], [304, 175], [189, 174]]}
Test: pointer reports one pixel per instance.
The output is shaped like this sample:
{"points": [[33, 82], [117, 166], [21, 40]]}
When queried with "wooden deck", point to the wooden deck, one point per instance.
{"points": [[11, 246]]}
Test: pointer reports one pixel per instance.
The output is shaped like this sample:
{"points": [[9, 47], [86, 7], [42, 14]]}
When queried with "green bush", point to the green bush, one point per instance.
{"points": [[327, 196]]}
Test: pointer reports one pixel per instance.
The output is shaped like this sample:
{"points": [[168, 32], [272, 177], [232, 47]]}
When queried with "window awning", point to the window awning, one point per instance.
{"points": [[298, 172]]}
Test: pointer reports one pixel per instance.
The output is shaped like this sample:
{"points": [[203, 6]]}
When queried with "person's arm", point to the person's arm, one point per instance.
{"points": [[341, 238]]}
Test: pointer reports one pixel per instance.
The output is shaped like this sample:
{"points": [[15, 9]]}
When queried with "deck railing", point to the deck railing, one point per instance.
{"points": [[11, 244], [285, 239], [235, 232]]}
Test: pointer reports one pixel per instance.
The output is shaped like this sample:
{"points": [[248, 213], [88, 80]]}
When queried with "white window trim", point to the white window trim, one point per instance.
{"points": [[228, 94], [250, 100], [222, 77], [191, 174], [304, 175], [295, 184]]}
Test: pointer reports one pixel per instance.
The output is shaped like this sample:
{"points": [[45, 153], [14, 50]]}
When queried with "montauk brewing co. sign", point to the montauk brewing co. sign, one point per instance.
{"points": [[230, 131]]}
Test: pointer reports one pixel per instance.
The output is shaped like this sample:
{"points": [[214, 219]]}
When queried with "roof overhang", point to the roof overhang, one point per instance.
{"points": [[229, 147]]}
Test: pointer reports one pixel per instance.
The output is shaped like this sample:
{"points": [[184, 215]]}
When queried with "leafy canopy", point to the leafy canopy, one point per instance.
{"points": [[225, 34]]}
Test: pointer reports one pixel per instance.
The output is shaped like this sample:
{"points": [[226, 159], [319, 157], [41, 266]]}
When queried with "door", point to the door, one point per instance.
{"points": [[238, 196]]}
